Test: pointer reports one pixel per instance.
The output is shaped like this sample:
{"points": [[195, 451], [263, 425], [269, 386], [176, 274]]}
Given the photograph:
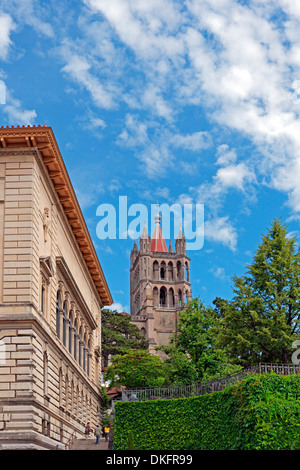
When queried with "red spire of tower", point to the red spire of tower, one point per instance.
{"points": [[158, 243]]}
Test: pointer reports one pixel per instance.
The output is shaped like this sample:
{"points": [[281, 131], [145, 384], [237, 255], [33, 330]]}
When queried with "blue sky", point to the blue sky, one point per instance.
{"points": [[166, 101]]}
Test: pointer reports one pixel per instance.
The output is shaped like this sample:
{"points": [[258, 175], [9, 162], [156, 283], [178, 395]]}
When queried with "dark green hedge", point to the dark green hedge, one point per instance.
{"points": [[261, 412]]}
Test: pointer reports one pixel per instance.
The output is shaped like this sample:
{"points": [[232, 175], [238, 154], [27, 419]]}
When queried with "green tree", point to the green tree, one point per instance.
{"points": [[179, 368], [193, 353], [119, 335], [136, 368], [262, 320]]}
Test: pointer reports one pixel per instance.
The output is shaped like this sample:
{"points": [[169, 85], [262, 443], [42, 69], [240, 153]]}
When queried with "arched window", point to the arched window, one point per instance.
{"points": [[178, 270], [45, 373], [75, 342], [180, 296], [65, 323], [60, 386], [162, 296], [155, 297], [171, 298], [155, 270], [43, 294], [58, 304], [72, 397], [88, 359], [83, 354], [170, 271], [187, 273], [77, 401], [143, 332], [67, 392], [82, 406], [70, 332], [79, 348], [163, 270]]}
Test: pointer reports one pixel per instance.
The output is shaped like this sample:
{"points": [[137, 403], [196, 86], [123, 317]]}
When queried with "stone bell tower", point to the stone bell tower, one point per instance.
{"points": [[159, 284]]}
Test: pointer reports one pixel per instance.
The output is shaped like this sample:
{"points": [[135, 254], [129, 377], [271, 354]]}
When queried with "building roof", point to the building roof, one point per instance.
{"points": [[158, 242], [43, 139]]}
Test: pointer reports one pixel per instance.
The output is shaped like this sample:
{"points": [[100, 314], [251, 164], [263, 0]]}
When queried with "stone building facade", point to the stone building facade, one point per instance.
{"points": [[52, 289], [159, 285]]}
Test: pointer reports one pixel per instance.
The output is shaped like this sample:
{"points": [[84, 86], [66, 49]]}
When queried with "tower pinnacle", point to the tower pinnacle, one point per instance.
{"points": [[158, 243]]}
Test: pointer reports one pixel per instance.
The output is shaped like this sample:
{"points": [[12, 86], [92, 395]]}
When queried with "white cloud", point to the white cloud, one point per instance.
{"points": [[17, 115], [30, 12], [156, 159], [150, 148], [231, 176], [234, 176], [286, 179], [118, 307], [154, 147], [146, 27], [149, 31], [93, 123], [245, 73], [113, 185], [12, 107], [79, 70], [152, 99], [220, 230], [239, 61], [293, 234], [225, 155], [135, 132], [96, 123], [212, 195], [163, 193], [194, 142], [241, 67], [219, 273], [6, 27]]}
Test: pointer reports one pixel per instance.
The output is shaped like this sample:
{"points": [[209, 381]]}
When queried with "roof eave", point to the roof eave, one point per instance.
{"points": [[42, 138]]}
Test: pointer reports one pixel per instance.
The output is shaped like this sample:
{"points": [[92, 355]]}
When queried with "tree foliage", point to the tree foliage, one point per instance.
{"points": [[193, 353], [262, 320], [136, 368], [119, 335]]}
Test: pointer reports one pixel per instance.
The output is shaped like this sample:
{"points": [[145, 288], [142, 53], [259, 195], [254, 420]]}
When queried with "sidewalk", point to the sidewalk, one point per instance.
{"points": [[90, 444]]}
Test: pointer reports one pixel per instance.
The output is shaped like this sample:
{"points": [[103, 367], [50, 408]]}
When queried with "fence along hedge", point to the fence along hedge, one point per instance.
{"points": [[261, 412]]}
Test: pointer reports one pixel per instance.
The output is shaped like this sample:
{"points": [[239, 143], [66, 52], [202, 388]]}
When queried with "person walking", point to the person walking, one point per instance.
{"points": [[87, 430], [97, 434], [106, 432]]}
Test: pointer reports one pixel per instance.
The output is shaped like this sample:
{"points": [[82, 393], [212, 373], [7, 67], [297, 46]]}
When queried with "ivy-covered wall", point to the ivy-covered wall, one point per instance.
{"points": [[261, 412]]}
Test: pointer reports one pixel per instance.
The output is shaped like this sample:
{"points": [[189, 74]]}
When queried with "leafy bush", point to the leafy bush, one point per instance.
{"points": [[261, 412]]}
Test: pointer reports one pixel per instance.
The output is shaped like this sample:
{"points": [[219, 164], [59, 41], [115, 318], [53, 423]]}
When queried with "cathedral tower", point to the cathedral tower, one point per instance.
{"points": [[159, 284]]}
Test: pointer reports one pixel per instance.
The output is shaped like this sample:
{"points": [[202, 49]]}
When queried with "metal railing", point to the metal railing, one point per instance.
{"points": [[197, 389], [71, 440], [281, 369]]}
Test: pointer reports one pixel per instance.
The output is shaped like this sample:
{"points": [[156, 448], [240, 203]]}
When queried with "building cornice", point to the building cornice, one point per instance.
{"points": [[43, 139]]}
